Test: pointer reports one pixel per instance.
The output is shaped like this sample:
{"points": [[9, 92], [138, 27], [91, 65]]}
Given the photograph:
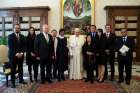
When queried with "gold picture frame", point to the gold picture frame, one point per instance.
{"points": [[91, 11]]}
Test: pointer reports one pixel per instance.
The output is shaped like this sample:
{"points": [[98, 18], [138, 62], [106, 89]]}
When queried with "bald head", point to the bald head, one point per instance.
{"points": [[77, 31], [45, 28]]}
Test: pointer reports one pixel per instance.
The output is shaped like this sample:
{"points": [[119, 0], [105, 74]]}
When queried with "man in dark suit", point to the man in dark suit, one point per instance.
{"points": [[109, 39], [16, 44], [125, 56], [95, 39], [54, 61], [44, 50]]}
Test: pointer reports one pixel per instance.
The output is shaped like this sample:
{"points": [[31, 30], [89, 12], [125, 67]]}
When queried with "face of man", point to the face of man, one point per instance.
{"points": [[17, 29], [54, 33], [45, 28], [108, 28], [93, 29], [124, 33], [77, 32]]}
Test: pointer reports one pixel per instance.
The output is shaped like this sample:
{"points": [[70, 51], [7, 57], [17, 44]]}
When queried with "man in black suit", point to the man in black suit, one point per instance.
{"points": [[109, 40], [95, 39], [54, 61], [16, 44], [44, 50], [125, 57]]}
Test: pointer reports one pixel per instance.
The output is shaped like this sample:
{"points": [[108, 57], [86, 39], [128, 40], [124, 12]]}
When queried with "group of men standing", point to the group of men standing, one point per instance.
{"points": [[52, 51]]}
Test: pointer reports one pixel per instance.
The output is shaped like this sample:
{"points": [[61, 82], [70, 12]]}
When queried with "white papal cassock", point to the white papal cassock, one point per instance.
{"points": [[76, 59]]}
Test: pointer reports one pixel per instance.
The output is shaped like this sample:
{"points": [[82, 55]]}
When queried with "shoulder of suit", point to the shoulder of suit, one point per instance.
{"points": [[50, 35], [112, 33], [22, 35], [12, 34], [40, 34]]}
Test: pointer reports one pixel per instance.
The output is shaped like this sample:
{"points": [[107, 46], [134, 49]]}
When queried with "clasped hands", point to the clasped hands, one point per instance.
{"points": [[89, 53], [19, 55], [107, 51]]}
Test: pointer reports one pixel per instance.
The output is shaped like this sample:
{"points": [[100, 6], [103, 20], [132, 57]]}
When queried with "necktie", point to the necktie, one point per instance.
{"points": [[54, 41], [17, 35], [107, 35], [94, 34], [124, 39], [54, 46], [47, 38]]}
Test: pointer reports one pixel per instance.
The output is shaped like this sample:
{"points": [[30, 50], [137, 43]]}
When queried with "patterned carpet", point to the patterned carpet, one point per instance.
{"points": [[76, 86], [79, 86]]}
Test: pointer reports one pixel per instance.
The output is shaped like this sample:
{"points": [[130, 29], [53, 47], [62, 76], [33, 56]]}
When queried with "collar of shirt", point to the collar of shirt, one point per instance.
{"points": [[125, 37], [17, 35], [107, 33], [93, 33], [46, 36]]}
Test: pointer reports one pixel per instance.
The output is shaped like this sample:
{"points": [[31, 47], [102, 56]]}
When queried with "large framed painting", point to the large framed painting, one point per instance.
{"points": [[77, 14]]}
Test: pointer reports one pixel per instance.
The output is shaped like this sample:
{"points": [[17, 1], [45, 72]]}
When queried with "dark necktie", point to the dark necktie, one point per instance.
{"points": [[54, 41], [124, 39], [18, 37], [107, 35]]}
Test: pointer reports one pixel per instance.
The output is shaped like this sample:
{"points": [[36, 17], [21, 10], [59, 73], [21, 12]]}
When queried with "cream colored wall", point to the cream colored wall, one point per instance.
{"points": [[55, 13], [100, 13]]}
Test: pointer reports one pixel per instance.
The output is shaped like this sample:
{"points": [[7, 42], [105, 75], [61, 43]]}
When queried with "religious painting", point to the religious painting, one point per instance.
{"points": [[76, 14]]}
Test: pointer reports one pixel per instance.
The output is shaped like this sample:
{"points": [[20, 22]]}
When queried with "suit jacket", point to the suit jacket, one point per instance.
{"points": [[95, 40], [15, 45], [129, 43], [110, 42], [44, 49]]}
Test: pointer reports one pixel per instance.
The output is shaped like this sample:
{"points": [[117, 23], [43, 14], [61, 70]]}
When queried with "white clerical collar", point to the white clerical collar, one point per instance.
{"points": [[61, 36]]}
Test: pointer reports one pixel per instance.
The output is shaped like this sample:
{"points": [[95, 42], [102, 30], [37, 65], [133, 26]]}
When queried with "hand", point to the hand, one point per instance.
{"points": [[53, 57], [123, 54], [32, 54], [97, 54], [38, 58], [107, 52], [89, 53], [19, 55]]}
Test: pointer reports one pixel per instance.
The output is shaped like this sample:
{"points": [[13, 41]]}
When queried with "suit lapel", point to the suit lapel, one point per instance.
{"points": [[44, 39]]}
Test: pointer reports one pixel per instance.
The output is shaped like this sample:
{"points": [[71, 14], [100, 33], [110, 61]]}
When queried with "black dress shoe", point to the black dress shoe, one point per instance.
{"points": [[23, 82], [87, 80], [127, 82], [36, 80], [100, 81], [111, 79], [49, 81], [63, 78], [91, 81], [42, 82], [31, 81], [13, 86], [120, 81], [59, 80]]}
